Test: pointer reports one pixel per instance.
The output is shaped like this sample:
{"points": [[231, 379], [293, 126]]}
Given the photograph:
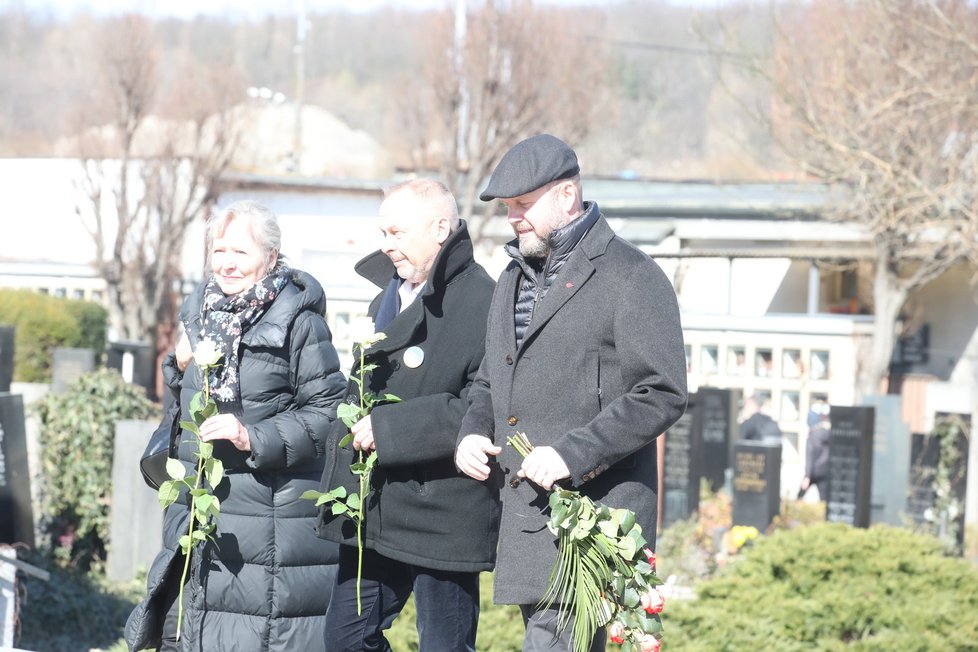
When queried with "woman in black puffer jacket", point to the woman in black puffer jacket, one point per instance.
{"points": [[263, 584]]}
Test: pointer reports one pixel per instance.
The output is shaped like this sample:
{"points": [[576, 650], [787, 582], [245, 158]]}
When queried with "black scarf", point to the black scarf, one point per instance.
{"points": [[224, 319]]}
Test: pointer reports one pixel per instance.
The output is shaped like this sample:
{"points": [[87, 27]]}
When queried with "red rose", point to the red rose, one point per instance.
{"points": [[649, 643], [651, 555], [616, 632], [652, 601]]}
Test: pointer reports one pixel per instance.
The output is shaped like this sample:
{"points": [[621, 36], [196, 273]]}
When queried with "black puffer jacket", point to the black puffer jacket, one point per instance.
{"points": [[263, 586]]}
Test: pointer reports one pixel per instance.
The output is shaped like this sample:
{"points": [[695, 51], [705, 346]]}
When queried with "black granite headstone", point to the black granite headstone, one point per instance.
{"points": [[6, 357], [944, 521], [756, 483], [850, 464], [680, 470], [16, 515], [714, 419], [136, 362], [68, 365]]}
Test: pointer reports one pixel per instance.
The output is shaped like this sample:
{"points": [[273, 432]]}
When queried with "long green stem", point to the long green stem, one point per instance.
{"points": [[190, 533], [193, 517]]}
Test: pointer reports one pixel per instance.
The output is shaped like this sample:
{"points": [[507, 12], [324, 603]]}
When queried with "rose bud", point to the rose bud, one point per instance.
{"points": [[651, 555], [206, 354], [652, 601], [649, 643], [616, 632]]}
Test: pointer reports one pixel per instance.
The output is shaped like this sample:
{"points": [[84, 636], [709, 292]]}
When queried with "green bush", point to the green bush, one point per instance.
{"points": [[77, 435], [832, 587], [73, 611], [43, 323]]}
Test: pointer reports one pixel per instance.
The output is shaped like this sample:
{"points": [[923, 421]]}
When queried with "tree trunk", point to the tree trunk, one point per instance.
{"points": [[889, 296]]}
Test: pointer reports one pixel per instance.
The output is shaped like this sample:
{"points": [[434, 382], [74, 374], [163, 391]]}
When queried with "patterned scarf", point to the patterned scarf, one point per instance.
{"points": [[224, 319]]}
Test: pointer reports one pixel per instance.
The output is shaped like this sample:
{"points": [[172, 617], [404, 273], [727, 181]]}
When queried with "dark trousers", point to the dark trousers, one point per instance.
{"points": [[542, 634], [447, 605]]}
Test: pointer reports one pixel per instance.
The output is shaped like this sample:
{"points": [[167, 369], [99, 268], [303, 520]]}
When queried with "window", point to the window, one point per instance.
{"points": [[764, 363], [737, 361], [791, 364], [790, 406], [708, 359], [819, 367]]}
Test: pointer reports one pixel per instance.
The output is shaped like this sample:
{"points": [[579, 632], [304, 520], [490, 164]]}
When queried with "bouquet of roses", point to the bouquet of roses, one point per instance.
{"points": [[604, 575]]}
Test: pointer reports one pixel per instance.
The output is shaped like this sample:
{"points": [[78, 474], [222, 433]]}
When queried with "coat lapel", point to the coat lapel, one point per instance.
{"points": [[577, 270]]}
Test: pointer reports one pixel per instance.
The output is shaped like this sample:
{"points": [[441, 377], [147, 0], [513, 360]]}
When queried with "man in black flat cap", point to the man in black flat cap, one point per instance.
{"points": [[584, 354]]}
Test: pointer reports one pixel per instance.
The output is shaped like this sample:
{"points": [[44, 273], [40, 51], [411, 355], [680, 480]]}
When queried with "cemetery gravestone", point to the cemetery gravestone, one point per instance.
{"points": [[714, 419], [891, 460], [136, 521], [68, 365], [680, 470], [135, 362], [934, 510], [756, 483], [6, 357], [16, 514], [850, 464]]}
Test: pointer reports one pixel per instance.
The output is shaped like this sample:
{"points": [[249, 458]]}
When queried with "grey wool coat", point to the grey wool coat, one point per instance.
{"points": [[601, 372], [421, 510], [265, 586]]}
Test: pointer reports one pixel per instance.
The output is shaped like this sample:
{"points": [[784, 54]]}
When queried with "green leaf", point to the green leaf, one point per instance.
{"points": [[204, 504], [197, 407], [323, 499], [391, 398], [367, 368], [175, 469], [627, 547], [206, 450], [191, 426], [210, 409], [199, 535], [353, 502], [168, 493], [338, 492], [346, 440], [215, 507], [185, 544], [627, 521], [214, 470], [338, 508], [311, 494], [198, 492]]}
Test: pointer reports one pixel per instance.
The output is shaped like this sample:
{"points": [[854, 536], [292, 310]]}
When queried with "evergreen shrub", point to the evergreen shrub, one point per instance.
{"points": [[76, 441], [43, 323], [832, 587]]}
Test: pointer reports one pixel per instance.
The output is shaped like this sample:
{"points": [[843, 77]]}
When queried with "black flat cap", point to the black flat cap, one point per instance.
{"points": [[531, 164]]}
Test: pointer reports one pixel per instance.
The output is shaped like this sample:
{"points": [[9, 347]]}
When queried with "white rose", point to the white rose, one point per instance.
{"points": [[206, 354]]}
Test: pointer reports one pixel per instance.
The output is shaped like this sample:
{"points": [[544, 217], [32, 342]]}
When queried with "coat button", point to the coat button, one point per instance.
{"points": [[512, 421], [509, 359]]}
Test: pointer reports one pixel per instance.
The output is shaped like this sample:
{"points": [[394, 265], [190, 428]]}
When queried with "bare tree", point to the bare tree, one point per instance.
{"points": [[150, 173], [494, 75], [881, 99]]}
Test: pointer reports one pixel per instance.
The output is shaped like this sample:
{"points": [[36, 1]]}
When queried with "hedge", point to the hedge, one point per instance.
{"points": [[832, 587], [43, 323]]}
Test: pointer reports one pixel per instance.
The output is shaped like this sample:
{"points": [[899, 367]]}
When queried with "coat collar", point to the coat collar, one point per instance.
{"points": [[572, 276]]}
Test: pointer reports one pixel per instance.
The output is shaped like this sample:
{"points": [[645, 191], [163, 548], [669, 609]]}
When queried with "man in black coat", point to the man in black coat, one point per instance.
{"points": [[428, 529], [758, 426], [584, 354]]}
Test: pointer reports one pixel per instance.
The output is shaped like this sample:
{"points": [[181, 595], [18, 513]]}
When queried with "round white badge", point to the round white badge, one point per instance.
{"points": [[413, 357]]}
